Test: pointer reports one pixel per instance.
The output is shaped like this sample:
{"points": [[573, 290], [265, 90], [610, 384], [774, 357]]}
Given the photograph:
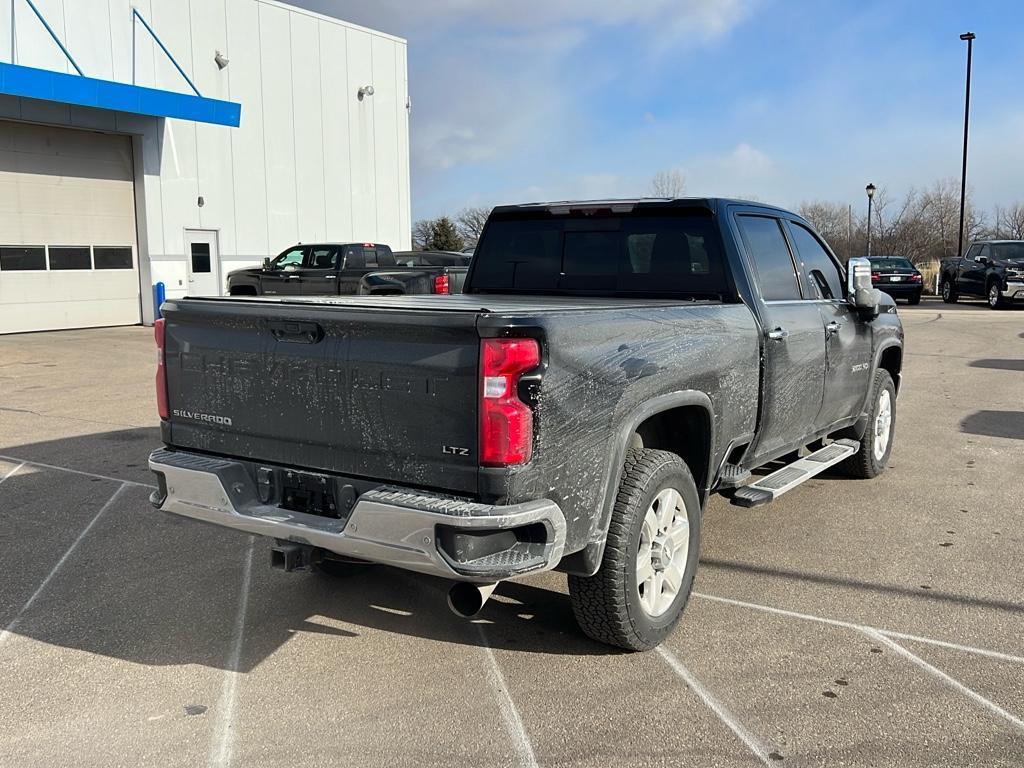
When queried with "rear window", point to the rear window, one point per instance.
{"points": [[891, 264], [602, 253]]}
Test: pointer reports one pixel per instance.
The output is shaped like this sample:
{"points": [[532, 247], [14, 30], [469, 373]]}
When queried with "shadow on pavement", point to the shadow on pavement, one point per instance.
{"points": [[997, 364], [155, 589], [868, 586], [995, 424]]}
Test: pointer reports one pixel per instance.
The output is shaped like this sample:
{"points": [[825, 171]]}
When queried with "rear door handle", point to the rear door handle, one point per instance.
{"points": [[778, 334], [833, 327]]}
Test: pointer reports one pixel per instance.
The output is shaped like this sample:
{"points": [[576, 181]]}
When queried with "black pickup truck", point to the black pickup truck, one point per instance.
{"points": [[609, 365], [339, 269], [993, 269]]}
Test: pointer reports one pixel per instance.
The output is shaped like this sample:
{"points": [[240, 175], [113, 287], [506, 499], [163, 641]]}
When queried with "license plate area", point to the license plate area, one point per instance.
{"points": [[895, 279], [314, 494]]}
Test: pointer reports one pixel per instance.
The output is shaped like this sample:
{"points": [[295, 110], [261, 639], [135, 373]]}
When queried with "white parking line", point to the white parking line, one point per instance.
{"points": [[223, 743], [863, 628], [11, 472], [509, 713], [754, 744], [76, 471], [955, 684], [6, 634]]}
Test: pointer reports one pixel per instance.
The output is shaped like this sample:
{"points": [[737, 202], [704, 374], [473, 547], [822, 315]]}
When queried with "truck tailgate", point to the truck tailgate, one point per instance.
{"points": [[383, 394]]}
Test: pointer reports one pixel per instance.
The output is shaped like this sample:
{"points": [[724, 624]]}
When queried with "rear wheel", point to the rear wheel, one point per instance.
{"points": [[876, 443], [638, 595], [948, 291], [995, 296], [915, 299]]}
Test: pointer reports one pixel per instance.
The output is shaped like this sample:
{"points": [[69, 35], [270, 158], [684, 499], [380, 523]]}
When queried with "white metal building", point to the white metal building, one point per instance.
{"points": [[116, 173]]}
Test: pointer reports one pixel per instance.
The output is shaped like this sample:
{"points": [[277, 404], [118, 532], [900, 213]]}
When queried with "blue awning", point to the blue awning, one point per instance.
{"points": [[32, 83]]}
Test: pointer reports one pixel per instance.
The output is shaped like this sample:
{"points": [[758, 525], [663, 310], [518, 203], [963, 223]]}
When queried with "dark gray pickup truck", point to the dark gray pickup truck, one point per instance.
{"points": [[609, 365]]}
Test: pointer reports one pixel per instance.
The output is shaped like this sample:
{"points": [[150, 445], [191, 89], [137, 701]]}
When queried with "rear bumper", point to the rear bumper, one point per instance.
{"points": [[386, 525], [900, 289]]}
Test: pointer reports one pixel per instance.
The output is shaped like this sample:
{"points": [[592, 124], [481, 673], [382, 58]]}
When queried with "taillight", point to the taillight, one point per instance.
{"points": [[875, 277], [441, 284], [506, 422], [916, 278], [161, 370]]}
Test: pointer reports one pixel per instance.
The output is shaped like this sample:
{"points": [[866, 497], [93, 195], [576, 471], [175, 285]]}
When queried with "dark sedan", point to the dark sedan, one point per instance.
{"points": [[897, 277]]}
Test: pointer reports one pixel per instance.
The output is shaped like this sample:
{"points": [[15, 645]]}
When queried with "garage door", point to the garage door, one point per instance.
{"points": [[68, 256]]}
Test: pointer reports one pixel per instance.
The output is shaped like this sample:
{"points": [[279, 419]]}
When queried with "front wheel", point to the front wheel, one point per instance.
{"points": [[876, 443], [636, 598], [995, 296], [948, 291]]}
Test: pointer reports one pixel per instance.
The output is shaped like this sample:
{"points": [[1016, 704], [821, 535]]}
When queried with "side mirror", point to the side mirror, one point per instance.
{"points": [[981, 259], [266, 263], [859, 291]]}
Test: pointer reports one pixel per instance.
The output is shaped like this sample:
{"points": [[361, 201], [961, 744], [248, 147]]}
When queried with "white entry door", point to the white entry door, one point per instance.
{"points": [[202, 257]]}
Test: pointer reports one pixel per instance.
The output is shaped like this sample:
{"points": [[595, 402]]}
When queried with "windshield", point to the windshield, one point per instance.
{"points": [[1007, 251], [601, 253], [892, 263]]}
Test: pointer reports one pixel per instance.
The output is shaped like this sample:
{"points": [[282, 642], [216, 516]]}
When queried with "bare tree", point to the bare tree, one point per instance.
{"points": [[1009, 222], [470, 223], [421, 232], [670, 183], [832, 222]]}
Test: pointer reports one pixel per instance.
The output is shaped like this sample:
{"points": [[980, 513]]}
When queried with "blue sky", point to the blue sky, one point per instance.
{"points": [[785, 101]]}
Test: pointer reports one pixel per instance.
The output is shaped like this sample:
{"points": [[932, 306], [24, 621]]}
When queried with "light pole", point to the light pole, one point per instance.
{"points": [[870, 189], [969, 37]]}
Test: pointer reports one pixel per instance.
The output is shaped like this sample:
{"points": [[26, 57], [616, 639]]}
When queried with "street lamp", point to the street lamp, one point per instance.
{"points": [[870, 189], [969, 37]]}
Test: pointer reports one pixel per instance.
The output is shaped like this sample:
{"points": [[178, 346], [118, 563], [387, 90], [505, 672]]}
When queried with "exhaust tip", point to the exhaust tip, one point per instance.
{"points": [[466, 599]]}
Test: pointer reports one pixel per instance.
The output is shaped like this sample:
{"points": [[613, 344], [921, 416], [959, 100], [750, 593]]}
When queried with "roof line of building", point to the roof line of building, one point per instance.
{"points": [[332, 19]]}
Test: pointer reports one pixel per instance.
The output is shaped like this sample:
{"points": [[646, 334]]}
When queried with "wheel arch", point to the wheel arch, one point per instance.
{"points": [[669, 422]]}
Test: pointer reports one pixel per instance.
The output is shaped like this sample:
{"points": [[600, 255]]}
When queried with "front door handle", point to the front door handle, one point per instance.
{"points": [[778, 334], [833, 327], [294, 277]]}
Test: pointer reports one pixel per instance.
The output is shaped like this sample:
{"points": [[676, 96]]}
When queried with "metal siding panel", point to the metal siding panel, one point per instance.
{"points": [[88, 37], [309, 138], [278, 126], [213, 142], [385, 135], [249, 171], [405, 203], [35, 47], [361, 136], [336, 100]]}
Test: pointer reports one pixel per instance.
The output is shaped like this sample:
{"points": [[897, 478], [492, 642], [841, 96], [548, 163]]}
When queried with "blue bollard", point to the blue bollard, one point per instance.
{"points": [[159, 294]]}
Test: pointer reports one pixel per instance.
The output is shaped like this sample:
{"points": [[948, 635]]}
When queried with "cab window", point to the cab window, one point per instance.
{"points": [[322, 257], [292, 258], [822, 272], [776, 271]]}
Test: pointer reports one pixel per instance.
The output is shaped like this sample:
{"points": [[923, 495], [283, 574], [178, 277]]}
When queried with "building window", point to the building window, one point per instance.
{"points": [[107, 257], [22, 257], [70, 257]]}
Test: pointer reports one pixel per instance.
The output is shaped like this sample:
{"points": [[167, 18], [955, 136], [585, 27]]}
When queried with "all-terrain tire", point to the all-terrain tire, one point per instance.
{"points": [[873, 456], [608, 604]]}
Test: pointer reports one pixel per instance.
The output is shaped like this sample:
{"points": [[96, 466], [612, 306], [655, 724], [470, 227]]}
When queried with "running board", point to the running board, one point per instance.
{"points": [[767, 489]]}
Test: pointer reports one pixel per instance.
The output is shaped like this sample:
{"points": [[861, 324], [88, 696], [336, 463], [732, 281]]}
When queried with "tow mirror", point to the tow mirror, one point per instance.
{"points": [[266, 263], [859, 292]]}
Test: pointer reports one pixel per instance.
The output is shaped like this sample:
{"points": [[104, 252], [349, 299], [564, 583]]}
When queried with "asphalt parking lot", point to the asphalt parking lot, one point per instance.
{"points": [[868, 623]]}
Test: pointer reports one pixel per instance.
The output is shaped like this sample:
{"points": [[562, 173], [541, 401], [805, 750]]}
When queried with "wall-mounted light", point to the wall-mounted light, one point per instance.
{"points": [[221, 59], [366, 90]]}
